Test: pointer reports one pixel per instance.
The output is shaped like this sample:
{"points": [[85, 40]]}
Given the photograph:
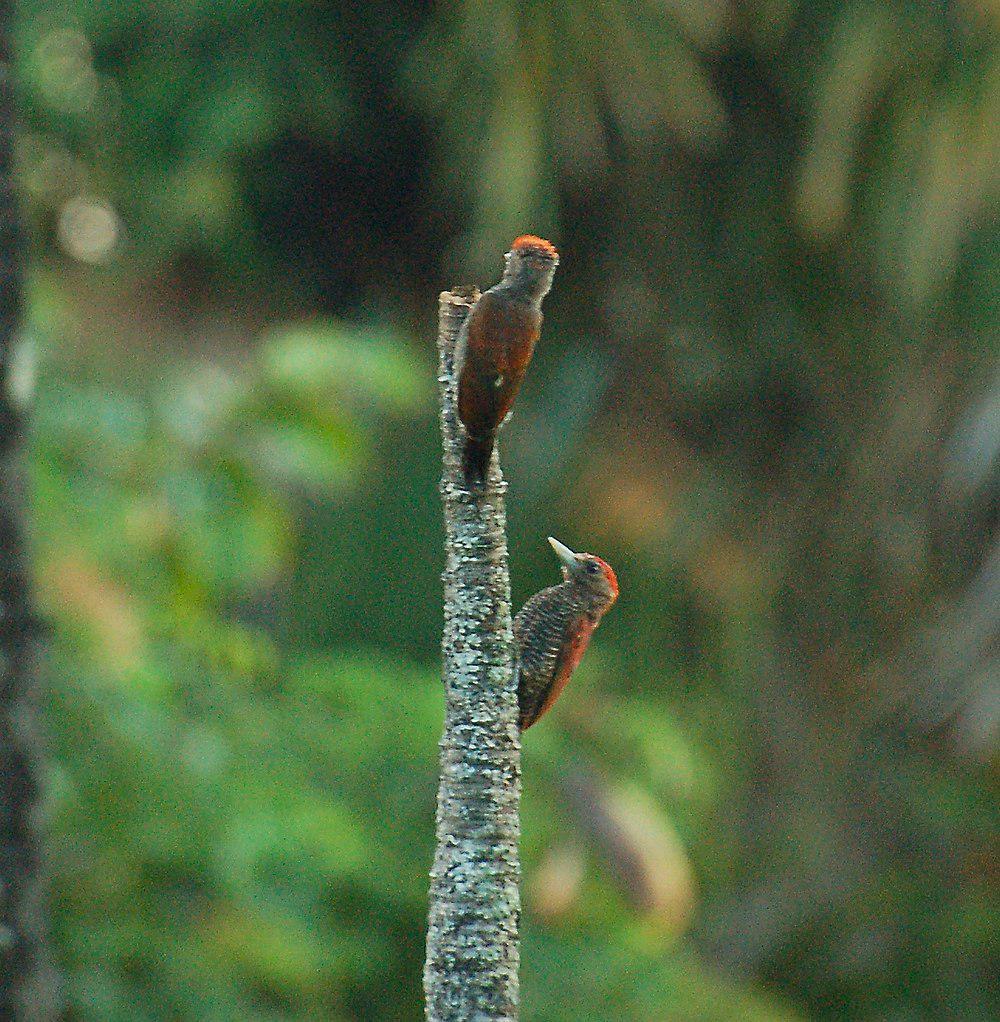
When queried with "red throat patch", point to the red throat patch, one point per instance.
{"points": [[529, 243]]}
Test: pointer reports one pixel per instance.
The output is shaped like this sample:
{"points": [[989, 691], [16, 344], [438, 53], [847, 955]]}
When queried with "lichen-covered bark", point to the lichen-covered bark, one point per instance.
{"points": [[27, 987], [472, 939]]}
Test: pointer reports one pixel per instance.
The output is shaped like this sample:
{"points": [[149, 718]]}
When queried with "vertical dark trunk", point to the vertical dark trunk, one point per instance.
{"points": [[26, 986]]}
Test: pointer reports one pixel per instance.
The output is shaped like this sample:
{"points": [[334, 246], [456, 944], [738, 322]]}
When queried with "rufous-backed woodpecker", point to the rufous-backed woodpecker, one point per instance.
{"points": [[495, 345], [554, 627]]}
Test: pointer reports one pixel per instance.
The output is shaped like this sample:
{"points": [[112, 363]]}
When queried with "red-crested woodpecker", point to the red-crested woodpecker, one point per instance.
{"points": [[495, 345], [554, 627]]}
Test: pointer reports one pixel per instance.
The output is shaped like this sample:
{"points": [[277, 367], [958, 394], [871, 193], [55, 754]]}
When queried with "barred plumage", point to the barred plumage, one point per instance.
{"points": [[554, 627], [541, 630]]}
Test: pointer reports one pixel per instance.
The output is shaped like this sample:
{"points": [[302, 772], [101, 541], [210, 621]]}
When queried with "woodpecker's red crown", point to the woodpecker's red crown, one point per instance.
{"points": [[532, 247]]}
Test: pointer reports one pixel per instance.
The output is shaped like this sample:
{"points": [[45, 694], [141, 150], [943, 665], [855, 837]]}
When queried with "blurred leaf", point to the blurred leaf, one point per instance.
{"points": [[324, 362], [300, 452], [862, 56]]}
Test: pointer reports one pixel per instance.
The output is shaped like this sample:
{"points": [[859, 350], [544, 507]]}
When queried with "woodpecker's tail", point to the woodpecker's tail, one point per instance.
{"points": [[476, 458]]}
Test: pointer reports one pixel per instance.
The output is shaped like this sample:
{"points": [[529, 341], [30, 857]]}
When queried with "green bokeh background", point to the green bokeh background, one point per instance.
{"points": [[767, 392]]}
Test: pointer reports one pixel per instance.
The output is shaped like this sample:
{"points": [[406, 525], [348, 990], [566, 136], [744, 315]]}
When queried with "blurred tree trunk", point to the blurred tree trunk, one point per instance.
{"points": [[472, 936], [27, 987]]}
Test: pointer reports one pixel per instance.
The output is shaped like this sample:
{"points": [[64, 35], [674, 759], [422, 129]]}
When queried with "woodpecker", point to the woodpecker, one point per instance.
{"points": [[553, 628], [495, 345]]}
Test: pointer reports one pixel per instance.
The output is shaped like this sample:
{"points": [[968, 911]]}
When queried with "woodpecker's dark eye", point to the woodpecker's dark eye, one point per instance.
{"points": [[592, 568]]}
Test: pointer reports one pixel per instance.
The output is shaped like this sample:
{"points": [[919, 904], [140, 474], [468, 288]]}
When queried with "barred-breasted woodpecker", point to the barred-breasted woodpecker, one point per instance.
{"points": [[495, 345], [554, 627]]}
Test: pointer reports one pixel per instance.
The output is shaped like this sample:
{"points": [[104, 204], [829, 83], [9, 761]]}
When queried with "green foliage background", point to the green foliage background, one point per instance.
{"points": [[767, 393]]}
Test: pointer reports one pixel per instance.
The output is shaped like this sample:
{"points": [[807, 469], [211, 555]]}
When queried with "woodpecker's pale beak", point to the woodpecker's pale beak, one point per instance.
{"points": [[563, 552]]}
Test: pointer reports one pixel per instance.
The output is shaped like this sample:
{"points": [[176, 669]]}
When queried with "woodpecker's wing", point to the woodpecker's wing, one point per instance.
{"points": [[494, 349], [541, 629]]}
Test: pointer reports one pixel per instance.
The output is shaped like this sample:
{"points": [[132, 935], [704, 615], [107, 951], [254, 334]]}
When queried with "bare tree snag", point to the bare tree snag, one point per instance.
{"points": [[472, 940]]}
